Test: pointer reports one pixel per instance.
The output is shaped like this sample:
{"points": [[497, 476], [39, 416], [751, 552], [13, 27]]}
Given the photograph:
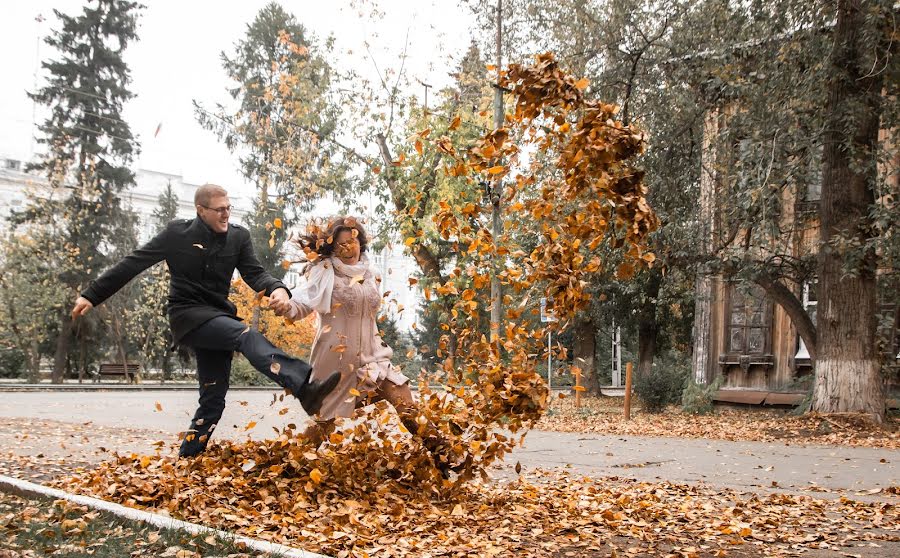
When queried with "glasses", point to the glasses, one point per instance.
{"points": [[220, 210]]}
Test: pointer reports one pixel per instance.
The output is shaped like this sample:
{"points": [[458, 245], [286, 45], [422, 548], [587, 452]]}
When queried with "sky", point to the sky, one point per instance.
{"points": [[177, 60]]}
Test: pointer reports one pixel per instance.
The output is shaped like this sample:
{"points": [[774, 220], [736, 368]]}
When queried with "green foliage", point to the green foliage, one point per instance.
{"points": [[243, 374], [697, 399], [154, 338], [663, 385], [12, 362]]}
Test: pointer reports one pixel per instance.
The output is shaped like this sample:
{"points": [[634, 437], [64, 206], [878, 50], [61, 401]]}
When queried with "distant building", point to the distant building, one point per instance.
{"points": [[143, 199]]}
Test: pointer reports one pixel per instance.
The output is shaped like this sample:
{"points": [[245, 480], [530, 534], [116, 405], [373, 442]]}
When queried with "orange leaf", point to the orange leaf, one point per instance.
{"points": [[316, 476]]}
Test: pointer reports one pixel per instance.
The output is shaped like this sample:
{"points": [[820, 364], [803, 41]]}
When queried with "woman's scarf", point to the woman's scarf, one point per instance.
{"points": [[316, 293]]}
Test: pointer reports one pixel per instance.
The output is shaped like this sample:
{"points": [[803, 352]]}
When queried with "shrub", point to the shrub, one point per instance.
{"points": [[243, 374], [697, 399], [662, 386], [12, 363]]}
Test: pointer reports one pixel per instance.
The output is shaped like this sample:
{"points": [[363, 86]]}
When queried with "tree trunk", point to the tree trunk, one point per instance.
{"points": [[648, 332], [783, 296], [648, 326], [63, 343], [254, 320], [848, 376], [584, 351], [34, 362]]}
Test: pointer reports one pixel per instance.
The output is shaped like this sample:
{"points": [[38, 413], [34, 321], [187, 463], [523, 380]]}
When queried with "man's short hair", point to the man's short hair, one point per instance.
{"points": [[207, 192]]}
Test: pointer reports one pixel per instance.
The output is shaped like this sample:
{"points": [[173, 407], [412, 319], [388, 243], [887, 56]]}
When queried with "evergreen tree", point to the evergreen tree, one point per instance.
{"points": [[88, 149], [155, 337]]}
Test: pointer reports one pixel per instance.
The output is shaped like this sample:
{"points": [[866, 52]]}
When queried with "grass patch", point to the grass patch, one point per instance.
{"points": [[41, 528]]}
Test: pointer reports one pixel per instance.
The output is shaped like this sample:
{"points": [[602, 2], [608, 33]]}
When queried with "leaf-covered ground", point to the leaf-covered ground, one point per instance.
{"points": [[604, 415], [370, 491]]}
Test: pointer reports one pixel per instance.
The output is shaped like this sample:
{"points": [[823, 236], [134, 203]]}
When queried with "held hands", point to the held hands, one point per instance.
{"points": [[280, 302], [82, 307]]}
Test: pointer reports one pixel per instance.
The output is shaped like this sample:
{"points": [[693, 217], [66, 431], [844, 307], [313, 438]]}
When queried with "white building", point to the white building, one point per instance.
{"points": [[143, 198]]}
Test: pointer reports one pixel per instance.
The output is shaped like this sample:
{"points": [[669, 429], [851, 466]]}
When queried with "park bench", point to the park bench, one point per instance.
{"points": [[118, 370]]}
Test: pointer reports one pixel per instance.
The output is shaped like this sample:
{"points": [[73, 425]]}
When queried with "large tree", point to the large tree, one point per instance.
{"points": [[848, 376], [89, 148], [282, 110]]}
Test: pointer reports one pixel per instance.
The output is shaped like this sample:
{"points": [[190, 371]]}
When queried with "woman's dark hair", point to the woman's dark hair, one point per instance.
{"points": [[321, 240]]}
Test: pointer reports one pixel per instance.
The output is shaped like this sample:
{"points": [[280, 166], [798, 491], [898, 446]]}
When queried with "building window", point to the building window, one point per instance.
{"points": [[13, 165], [749, 321]]}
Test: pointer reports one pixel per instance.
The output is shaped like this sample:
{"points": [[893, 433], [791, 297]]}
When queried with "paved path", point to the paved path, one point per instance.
{"points": [[823, 471]]}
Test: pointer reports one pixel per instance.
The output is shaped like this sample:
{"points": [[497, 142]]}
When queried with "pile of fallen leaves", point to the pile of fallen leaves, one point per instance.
{"points": [[283, 491], [605, 416]]}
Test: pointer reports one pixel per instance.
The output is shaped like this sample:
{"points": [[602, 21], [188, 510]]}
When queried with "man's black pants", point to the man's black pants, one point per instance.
{"points": [[214, 343]]}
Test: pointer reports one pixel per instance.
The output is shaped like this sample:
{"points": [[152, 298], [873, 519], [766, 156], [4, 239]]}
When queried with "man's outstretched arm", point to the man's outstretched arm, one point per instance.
{"points": [[253, 273], [120, 274]]}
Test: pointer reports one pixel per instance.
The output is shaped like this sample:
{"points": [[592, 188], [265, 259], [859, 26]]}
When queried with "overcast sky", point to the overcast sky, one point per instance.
{"points": [[177, 61]]}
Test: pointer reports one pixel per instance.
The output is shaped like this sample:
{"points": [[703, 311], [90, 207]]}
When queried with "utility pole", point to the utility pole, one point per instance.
{"points": [[497, 189], [427, 87]]}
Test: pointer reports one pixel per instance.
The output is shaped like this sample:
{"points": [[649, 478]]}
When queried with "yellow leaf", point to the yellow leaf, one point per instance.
{"points": [[409, 241], [250, 425], [582, 83], [316, 476], [354, 392], [419, 147], [496, 170], [277, 223], [455, 123], [271, 243], [458, 510]]}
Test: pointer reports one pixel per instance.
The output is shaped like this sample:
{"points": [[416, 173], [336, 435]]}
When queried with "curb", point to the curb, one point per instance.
{"points": [[120, 387], [31, 490]]}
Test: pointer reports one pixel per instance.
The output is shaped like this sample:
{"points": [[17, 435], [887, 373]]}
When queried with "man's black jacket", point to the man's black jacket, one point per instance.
{"points": [[201, 264]]}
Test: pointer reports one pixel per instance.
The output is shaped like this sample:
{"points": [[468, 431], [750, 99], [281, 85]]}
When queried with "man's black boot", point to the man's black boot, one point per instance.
{"points": [[196, 438], [313, 393]]}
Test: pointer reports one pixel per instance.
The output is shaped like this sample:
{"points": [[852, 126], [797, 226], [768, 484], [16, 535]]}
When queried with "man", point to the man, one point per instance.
{"points": [[202, 254]]}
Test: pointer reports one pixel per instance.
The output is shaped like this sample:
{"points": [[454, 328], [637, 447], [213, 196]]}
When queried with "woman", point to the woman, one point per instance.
{"points": [[344, 291]]}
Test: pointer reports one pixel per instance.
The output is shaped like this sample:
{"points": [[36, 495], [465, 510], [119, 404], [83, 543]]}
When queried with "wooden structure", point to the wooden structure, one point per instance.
{"points": [[739, 333]]}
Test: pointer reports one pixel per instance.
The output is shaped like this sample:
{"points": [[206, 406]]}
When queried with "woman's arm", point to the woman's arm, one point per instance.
{"points": [[297, 310]]}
